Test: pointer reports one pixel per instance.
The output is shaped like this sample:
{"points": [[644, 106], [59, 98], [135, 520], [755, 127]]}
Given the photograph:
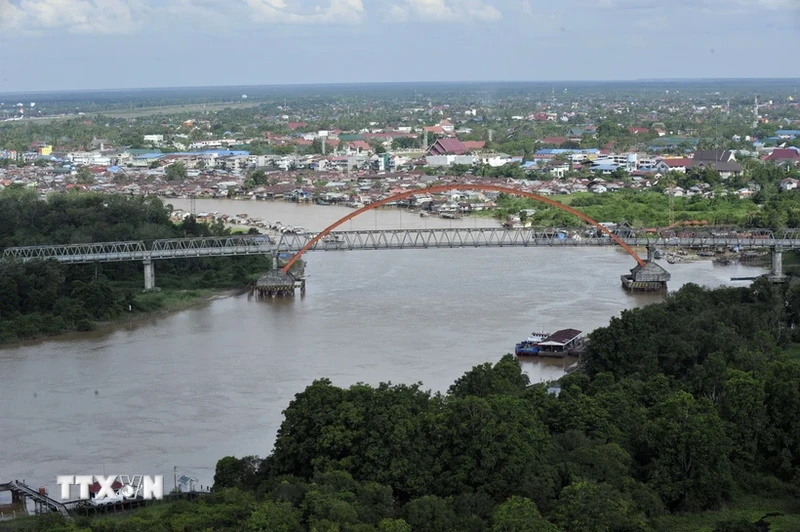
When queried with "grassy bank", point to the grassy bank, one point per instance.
{"points": [[640, 209], [781, 514]]}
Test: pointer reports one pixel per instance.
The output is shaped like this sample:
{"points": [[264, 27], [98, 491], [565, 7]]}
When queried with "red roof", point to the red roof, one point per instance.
{"points": [[94, 488], [783, 154], [442, 146], [474, 144], [681, 161], [564, 336], [638, 130], [297, 125], [558, 141], [362, 144]]}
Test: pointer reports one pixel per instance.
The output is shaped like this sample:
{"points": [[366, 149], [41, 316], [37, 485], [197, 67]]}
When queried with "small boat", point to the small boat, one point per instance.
{"points": [[530, 347]]}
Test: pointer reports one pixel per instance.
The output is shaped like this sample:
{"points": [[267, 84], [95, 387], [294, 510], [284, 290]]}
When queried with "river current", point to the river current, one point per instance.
{"points": [[178, 392]]}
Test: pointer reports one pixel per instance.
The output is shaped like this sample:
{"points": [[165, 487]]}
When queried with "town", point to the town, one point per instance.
{"points": [[705, 144]]}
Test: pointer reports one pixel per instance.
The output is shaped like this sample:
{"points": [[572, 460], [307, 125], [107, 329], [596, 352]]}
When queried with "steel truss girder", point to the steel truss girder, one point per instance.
{"points": [[177, 248]]}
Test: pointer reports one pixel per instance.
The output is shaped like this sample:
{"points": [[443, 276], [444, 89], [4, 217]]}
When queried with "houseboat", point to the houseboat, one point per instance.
{"points": [[566, 342]]}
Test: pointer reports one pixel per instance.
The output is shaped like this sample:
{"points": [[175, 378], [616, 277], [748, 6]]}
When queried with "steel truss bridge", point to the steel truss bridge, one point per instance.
{"points": [[230, 246]]}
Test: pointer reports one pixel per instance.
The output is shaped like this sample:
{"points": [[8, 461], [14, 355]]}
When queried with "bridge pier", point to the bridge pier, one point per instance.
{"points": [[149, 275], [648, 278], [776, 273]]}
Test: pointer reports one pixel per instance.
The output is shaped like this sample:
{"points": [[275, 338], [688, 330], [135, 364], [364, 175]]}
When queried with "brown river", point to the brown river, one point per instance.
{"points": [[183, 390]]}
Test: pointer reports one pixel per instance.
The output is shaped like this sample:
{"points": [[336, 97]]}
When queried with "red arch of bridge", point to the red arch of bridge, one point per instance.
{"points": [[444, 188]]}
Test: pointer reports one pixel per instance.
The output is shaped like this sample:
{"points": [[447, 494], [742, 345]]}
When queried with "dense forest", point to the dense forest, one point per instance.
{"points": [[685, 415], [44, 297]]}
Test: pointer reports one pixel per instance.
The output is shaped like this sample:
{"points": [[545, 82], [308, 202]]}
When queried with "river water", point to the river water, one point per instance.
{"points": [[186, 389]]}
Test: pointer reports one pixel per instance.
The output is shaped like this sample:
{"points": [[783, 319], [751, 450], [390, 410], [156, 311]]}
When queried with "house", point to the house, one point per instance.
{"points": [[678, 164], [784, 155], [789, 184], [726, 156], [723, 161], [448, 146], [558, 141], [638, 130], [474, 144], [446, 126]]}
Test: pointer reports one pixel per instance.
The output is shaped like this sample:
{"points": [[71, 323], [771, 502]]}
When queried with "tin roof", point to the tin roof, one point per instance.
{"points": [[562, 337]]}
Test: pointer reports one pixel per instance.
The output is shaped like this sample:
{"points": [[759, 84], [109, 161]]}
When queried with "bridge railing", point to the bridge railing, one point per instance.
{"points": [[211, 246], [107, 251]]}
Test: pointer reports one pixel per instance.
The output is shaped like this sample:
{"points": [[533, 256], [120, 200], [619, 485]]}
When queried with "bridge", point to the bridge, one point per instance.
{"points": [[387, 239], [329, 239]]}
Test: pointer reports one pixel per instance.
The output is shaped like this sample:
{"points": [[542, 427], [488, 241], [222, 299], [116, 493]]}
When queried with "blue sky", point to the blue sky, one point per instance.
{"points": [[97, 44]]}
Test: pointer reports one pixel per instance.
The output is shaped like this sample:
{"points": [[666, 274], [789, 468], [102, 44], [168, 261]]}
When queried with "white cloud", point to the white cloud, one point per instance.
{"points": [[526, 7], [81, 16], [445, 11], [335, 12], [10, 14]]}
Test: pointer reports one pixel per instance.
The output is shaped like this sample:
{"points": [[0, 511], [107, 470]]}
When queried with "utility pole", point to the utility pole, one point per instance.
{"points": [[175, 477]]}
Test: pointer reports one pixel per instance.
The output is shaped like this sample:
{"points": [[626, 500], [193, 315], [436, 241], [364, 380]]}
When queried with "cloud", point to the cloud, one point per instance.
{"points": [[525, 5], [335, 12], [445, 11], [81, 16]]}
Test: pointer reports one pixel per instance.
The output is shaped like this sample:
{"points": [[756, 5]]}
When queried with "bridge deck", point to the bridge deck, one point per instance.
{"points": [[398, 239]]}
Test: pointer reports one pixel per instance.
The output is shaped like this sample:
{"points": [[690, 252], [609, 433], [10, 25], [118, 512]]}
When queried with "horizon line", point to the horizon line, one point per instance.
{"points": [[417, 82]]}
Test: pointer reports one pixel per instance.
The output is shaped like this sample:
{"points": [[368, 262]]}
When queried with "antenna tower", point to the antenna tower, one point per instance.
{"points": [[193, 205]]}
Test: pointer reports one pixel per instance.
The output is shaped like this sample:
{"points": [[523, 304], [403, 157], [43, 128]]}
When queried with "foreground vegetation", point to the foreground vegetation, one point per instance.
{"points": [[685, 416], [45, 298]]}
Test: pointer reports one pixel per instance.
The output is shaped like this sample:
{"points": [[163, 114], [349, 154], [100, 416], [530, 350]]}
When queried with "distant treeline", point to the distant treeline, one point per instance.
{"points": [[684, 416], [45, 297]]}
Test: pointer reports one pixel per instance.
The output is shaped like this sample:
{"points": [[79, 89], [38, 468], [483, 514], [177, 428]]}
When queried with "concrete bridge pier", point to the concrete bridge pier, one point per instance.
{"points": [[648, 278], [149, 275], [776, 274]]}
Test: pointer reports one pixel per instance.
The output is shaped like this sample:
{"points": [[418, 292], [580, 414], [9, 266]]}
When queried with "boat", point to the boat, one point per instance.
{"points": [[566, 342], [423, 214]]}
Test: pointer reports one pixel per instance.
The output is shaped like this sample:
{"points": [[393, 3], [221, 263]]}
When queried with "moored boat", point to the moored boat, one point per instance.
{"points": [[566, 342]]}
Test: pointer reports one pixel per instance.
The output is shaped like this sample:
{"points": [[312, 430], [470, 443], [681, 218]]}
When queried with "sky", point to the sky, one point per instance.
{"points": [[100, 44]]}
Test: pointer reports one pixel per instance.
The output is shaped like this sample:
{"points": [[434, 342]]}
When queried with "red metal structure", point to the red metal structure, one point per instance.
{"points": [[444, 188]]}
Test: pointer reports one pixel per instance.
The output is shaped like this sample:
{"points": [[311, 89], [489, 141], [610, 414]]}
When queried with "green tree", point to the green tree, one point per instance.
{"points": [[274, 517], [175, 172], [688, 453], [84, 176], [519, 514], [597, 507]]}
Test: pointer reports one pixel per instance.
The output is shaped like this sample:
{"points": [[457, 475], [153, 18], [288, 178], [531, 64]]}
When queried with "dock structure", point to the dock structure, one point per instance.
{"points": [[43, 503], [275, 283], [648, 278]]}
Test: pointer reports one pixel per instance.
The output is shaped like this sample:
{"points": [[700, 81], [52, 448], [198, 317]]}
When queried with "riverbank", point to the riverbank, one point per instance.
{"points": [[160, 303]]}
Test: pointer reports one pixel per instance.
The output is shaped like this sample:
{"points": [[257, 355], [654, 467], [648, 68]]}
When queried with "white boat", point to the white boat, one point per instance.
{"points": [[538, 337]]}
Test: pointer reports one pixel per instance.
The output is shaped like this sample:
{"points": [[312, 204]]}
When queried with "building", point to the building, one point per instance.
{"points": [[451, 146], [45, 149], [784, 155]]}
